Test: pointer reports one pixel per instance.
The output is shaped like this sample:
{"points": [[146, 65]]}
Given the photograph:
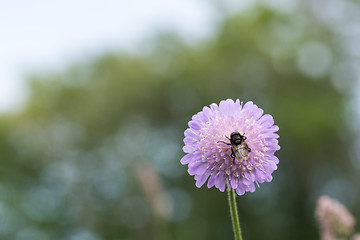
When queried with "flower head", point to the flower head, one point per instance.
{"points": [[248, 160], [335, 221], [356, 237]]}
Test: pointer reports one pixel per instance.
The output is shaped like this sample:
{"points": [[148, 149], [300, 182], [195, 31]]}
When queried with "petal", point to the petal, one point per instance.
{"points": [[201, 179], [267, 134], [225, 107], [253, 111], [189, 149], [186, 159], [258, 113], [251, 187], [207, 114], [273, 129], [220, 181], [268, 178], [274, 159], [270, 166], [238, 104], [266, 121], [211, 181], [260, 175], [248, 104], [214, 107], [190, 140], [194, 125], [195, 164], [202, 169], [197, 168], [240, 190], [270, 152], [233, 182], [190, 133], [248, 178]]}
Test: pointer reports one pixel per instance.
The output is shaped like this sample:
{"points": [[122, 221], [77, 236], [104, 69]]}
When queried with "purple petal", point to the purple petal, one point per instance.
{"points": [[273, 129], [268, 178], [253, 110], [191, 157], [207, 114], [194, 125], [189, 149], [214, 107], [251, 187], [270, 166], [258, 113], [225, 107], [245, 181], [240, 190], [266, 121], [211, 181], [270, 152], [248, 104], [233, 182], [260, 175], [201, 179], [195, 164], [197, 168], [269, 135], [202, 169], [191, 133], [186, 159], [190, 140], [275, 159], [220, 182]]}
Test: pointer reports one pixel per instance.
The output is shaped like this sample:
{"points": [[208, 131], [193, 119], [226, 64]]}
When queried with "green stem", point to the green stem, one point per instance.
{"points": [[234, 213]]}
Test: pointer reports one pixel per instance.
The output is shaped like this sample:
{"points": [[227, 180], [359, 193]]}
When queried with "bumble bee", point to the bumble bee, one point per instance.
{"points": [[239, 148]]}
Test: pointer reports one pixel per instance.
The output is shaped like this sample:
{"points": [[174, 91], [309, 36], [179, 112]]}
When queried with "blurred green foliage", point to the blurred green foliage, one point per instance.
{"points": [[95, 153]]}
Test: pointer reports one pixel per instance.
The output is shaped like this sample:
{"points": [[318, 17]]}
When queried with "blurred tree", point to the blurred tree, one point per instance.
{"points": [[71, 160]]}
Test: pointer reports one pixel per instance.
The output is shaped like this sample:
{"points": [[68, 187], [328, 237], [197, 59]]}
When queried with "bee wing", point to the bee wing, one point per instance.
{"points": [[241, 151]]}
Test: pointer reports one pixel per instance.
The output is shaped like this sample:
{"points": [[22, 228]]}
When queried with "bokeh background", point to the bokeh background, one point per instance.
{"points": [[93, 151]]}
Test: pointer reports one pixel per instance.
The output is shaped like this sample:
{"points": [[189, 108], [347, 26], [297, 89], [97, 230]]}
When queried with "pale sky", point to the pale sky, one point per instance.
{"points": [[39, 36]]}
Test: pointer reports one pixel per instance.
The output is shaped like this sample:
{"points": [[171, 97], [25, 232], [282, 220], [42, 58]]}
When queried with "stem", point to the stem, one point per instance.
{"points": [[234, 213]]}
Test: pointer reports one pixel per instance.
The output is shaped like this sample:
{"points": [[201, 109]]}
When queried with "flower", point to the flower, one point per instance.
{"points": [[209, 155], [356, 237], [335, 221]]}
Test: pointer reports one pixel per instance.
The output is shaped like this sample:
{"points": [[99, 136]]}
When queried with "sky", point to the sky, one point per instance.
{"points": [[44, 36], [40, 36]]}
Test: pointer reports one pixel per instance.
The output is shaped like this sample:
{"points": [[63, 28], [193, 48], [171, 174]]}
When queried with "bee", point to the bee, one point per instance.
{"points": [[239, 148]]}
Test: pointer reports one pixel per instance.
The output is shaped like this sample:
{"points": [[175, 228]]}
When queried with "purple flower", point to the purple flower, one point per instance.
{"points": [[210, 155]]}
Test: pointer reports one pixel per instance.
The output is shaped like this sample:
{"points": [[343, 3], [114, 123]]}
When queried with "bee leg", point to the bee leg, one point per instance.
{"points": [[232, 156], [224, 143], [249, 149]]}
